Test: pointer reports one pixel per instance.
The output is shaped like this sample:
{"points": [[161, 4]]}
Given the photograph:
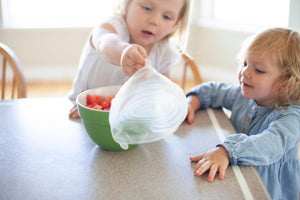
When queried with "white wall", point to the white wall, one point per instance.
{"points": [[53, 54], [46, 54], [215, 51]]}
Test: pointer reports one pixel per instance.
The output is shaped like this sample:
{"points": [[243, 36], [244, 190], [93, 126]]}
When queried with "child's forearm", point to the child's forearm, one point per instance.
{"points": [[108, 43], [111, 47]]}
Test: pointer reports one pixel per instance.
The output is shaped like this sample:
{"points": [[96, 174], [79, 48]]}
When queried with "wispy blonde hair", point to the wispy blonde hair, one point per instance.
{"points": [[283, 45], [181, 32]]}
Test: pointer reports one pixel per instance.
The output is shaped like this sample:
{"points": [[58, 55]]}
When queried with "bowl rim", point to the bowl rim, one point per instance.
{"points": [[82, 96]]}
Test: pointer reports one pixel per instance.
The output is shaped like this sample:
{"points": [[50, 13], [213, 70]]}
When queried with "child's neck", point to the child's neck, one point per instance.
{"points": [[148, 49], [263, 104]]}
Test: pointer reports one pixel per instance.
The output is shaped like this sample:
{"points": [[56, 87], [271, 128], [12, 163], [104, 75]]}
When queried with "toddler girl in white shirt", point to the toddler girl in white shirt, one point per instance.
{"points": [[117, 48]]}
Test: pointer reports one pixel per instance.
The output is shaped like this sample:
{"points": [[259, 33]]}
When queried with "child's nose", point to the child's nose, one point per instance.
{"points": [[245, 72], [154, 19]]}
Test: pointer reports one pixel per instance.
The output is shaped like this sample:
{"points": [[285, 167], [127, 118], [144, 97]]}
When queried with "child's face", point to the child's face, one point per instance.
{"points": [[260, 79], [151, 20]]}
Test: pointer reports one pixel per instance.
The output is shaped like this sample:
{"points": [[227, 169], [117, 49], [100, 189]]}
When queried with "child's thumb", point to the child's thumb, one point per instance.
{"points": [[142, 51], [190, 116]]}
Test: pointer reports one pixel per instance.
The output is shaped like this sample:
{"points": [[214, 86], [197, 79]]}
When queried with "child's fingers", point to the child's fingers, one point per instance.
{"points": [[201, 167], [75, 115], [142, 51], [196, 158], [190, 115], [74, 107], [222, 171], [133, 59], [212, 172], [197, 170], [137, 54], [74, 112]]}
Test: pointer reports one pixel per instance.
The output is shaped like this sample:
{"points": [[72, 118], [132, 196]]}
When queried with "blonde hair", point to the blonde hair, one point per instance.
{"points": [[284, 46], [180, 34]]}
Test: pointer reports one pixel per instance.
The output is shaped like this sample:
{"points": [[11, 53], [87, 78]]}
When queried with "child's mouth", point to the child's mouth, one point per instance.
{"points": [[147, 33], [245, 85]]}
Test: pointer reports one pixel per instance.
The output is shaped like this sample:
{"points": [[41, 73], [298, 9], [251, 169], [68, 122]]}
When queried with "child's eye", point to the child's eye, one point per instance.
{"points": [[147, 8], [259, 71], [245, 64], [167, 17]]}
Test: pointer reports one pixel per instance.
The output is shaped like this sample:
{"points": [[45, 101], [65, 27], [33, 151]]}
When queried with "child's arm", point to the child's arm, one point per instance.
{"points": [[193, 105], [269, 140], [215, 160], [116, 51]]}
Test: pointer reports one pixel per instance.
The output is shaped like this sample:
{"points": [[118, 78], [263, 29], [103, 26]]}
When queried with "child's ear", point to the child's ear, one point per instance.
{"points": [[283, 88], [175, 27]]}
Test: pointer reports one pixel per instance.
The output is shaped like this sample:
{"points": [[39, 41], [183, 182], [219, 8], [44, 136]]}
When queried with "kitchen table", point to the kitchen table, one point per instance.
{"points": [[46, 155]]}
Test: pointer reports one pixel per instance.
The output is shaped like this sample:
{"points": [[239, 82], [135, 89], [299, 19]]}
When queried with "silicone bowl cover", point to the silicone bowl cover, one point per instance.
{"points": [[147, 108]]}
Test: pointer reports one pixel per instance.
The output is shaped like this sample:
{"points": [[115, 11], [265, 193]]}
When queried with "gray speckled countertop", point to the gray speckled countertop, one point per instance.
{"points": [[45, 155]]}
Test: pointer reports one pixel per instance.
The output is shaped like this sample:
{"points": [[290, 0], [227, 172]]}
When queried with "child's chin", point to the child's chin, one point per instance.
{"points": [[246, 95]]}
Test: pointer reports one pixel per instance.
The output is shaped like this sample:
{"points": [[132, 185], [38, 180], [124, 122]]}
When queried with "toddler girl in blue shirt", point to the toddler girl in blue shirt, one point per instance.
{"points": [[265, 110]]}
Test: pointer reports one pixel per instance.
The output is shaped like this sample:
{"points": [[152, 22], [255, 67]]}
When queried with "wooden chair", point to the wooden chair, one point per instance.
{"points": [[16, 84], [186, 67], [189, 62]]}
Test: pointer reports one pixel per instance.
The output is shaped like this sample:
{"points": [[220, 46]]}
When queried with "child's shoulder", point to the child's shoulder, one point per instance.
{"points": [[292, 110], [119, 24], [164, 53], [114, 17], [115, 20], [164, 46]]}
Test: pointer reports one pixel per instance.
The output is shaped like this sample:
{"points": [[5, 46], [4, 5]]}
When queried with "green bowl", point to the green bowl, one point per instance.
{"points": [[96, 122]]}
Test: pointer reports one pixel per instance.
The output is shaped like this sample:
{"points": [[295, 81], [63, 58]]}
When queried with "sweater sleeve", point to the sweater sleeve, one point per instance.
{"points": [[278, 136], [213, 94]]}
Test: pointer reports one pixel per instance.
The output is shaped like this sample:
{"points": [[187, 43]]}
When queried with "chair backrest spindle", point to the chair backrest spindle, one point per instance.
{"points": [[189, 63], [18, 84], [3, 78]]}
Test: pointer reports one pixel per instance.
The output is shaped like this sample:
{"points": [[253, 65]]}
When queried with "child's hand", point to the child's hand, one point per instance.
{"points": [[215, 160], [193, 105], [132, 59], [74, 112], [190, 114]]}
